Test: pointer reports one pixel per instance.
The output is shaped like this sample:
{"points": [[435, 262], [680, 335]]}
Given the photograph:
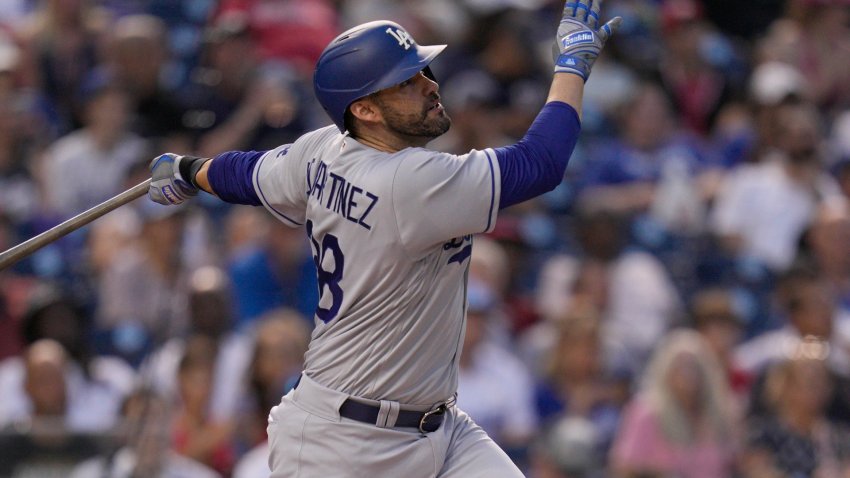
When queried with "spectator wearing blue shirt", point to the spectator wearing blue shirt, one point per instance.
{"points": [[272, 271]]}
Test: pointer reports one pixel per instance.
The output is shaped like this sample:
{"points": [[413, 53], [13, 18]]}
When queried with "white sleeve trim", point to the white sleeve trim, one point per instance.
{"points": [[495, 189], [262, 195]]}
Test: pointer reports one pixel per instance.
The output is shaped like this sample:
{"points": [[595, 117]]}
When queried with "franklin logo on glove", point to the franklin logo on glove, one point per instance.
{"points": [[576, 38], [168, 192]]}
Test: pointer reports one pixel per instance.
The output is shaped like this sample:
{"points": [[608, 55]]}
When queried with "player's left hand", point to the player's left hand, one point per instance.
{"points": [[580, 38], [167, 184]]}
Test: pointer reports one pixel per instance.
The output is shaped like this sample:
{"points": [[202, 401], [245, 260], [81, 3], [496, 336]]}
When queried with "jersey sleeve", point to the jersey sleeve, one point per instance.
{"points": [[440, 196], [280, 178]]}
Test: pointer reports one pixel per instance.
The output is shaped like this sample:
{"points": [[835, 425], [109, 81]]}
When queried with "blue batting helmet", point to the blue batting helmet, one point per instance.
{"points": [[366, 59]]}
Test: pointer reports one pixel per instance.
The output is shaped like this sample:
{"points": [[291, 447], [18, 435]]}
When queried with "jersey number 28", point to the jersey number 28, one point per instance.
{"points": [[330, 243]]}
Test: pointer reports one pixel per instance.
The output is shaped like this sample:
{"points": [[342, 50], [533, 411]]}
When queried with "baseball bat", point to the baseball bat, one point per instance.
{"points": [[26, 248]]}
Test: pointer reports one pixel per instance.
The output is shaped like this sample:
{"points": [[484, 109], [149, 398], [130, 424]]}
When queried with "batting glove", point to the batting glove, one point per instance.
{"points": [[580, 39], [167, 184]]}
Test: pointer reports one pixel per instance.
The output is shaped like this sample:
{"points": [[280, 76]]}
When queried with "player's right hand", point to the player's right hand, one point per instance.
{"points": [[580, 38], [167, 184]]}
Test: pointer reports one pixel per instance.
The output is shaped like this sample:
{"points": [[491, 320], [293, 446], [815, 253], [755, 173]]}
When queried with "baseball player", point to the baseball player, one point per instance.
{"points": [[391, 227]]}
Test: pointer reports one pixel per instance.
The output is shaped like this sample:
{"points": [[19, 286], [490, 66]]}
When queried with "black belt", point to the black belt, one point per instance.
{"points": [[426, 422]]}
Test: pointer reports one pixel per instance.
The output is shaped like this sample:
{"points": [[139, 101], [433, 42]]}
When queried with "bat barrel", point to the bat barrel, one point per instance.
{"points": [[24, 249]]}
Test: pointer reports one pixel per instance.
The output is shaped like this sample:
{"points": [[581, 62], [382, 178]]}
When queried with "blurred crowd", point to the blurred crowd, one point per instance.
{"points": [[678, 307]]}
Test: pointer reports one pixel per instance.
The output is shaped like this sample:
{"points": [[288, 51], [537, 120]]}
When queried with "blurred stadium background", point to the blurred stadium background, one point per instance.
{"points": [[678, 307]]}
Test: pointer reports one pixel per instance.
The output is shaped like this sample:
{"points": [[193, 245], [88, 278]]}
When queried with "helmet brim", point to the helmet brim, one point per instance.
{"points": [[426, 56]]}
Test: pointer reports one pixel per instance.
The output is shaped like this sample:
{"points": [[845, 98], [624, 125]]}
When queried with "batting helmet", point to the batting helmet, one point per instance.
{"points": [[366, 59]]}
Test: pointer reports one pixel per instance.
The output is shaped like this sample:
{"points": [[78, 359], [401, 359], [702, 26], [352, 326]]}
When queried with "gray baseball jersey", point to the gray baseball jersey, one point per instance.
{"points": [[391, 238]]}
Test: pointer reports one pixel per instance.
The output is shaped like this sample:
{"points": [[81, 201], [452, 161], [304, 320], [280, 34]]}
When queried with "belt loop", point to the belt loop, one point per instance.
{"points": [[387, 414]]}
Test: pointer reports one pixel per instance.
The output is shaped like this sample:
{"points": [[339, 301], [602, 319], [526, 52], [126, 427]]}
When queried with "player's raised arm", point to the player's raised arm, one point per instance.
{"points": [[578, 43], [537, 163]]}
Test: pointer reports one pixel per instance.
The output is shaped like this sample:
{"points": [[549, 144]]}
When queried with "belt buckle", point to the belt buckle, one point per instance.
{"points": [[424, 421]]}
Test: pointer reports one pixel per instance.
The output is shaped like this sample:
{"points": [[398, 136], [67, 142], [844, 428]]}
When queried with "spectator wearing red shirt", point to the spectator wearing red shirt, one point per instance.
{"points": [[294, 31]]}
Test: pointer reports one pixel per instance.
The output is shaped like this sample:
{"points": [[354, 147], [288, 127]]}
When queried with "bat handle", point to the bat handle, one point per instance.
{"points": [[24, 249]]}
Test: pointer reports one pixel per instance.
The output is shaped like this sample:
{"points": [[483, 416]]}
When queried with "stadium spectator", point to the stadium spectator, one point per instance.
{"points": [[274, 270], [503, 76], [281, 338], [210, 316], [772, 86], [195, 433], [137, 54], [580, 381], [623, 175], [473, 92], [494, 387], [567, 449], [631, 288], [811, 310], [88, 166], [814, 37], [143, 294], [680, 423], [796, 438], [733, 134], [721, 326], [506, 259], [45, 362], [281, 341], [14, 290], [294, 31], [21, 136], [109, 238], [587, 294], [489, 265], [762, 209], [430, 20], [61, 40], [236, 102], [96, 385], [145, 451], [695, 80], [48, 446], [824, 246]]}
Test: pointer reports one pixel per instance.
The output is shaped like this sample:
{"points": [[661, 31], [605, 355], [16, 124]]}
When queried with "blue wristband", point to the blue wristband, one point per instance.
{"points": [[572, 64]]}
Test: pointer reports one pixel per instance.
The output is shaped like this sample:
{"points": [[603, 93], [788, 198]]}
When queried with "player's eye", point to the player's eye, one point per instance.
{"points": [[405, 83]]}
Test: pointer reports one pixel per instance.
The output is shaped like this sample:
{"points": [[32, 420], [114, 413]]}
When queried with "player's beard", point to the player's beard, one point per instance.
{"points": [[420, 125]]}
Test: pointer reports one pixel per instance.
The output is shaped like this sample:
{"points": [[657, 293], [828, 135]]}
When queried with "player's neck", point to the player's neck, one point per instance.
{"points": [[385, 141]]}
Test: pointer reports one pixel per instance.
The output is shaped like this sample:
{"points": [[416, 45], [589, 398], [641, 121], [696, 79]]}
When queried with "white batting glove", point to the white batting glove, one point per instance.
{"points": [[580, 39], [167, 184]]}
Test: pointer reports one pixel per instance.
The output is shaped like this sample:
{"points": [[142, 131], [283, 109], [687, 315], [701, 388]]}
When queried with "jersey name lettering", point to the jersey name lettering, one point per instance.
{"points": [[343, 198]]}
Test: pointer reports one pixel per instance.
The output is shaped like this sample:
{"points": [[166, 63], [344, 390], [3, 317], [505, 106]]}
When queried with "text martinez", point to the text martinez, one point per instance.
{"points": [[340, 196]]}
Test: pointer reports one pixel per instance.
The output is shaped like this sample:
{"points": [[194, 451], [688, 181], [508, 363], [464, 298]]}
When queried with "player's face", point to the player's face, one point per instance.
{"points": [[413, 108]]}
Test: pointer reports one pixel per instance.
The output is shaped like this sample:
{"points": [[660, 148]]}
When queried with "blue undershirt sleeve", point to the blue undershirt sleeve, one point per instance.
{"points": [[230, 177], [536, 164]]}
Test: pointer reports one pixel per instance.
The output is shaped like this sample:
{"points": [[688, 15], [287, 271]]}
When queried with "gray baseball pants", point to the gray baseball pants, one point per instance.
{"points": [[309, 439]]}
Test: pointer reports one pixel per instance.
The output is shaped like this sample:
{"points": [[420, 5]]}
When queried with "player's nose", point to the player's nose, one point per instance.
{"points": [[430, 87]]}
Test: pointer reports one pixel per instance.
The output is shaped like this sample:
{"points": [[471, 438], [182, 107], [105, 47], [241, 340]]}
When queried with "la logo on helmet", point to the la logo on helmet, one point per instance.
{"points": [[401, 36]]}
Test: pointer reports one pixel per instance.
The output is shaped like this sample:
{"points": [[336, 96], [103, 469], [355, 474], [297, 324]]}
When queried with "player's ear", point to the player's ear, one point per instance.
{"points": [[366, 110]]}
